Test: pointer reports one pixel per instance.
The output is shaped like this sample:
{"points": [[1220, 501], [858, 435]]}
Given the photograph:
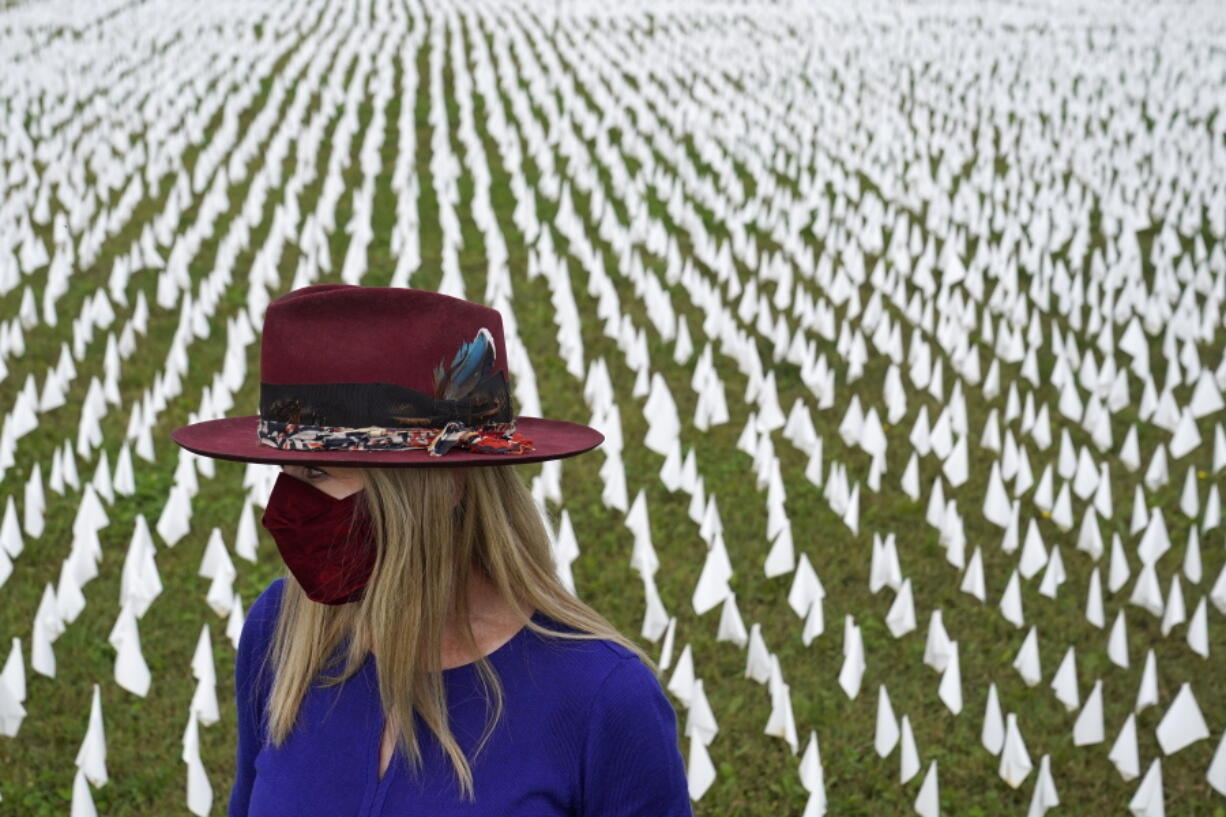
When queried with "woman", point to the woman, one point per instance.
{"points": [[420, 655]]}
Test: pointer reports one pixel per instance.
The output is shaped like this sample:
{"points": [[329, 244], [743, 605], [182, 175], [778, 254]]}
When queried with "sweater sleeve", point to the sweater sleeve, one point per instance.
{"points": [[251, 692], [632, 765]]}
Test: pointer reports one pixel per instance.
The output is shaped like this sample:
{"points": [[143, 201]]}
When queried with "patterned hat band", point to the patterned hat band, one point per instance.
{"points": [[470, 410], [495, 438]]}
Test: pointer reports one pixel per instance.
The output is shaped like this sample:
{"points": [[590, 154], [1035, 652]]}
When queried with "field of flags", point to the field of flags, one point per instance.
{"points": [[905, 325]]}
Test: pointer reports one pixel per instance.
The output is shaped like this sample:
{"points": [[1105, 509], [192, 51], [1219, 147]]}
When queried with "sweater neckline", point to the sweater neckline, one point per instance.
{"points": [[495, 656], [502, 649]]}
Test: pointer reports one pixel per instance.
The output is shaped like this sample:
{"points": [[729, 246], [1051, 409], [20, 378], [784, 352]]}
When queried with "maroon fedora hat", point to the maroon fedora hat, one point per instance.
{"points": [[361, 376]]}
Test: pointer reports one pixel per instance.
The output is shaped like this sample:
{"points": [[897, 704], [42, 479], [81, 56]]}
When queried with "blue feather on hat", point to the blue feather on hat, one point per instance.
{"points": [[471, 362]]}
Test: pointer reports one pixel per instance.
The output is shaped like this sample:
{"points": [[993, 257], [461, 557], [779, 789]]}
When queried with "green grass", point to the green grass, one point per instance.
{"points": [[757, 774]]}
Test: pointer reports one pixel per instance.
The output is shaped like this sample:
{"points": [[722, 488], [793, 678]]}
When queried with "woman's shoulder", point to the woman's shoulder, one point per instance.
{"points": [[581, 664], [262, 615], [254, 640], [611, 698], [605, 649], [268, 603]]}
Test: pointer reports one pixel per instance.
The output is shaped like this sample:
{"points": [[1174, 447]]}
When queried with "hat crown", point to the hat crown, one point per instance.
{"points": [[345, 333]]}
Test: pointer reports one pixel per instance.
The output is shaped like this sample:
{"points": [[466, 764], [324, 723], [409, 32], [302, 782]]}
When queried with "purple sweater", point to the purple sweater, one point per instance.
{"points": [[586, 731]]}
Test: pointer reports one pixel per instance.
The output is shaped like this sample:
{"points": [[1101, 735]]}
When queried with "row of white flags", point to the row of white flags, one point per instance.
{"points": [[1050, 302]]}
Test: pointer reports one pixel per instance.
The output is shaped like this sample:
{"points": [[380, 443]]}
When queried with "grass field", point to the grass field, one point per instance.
{"points": [[664, 137]]}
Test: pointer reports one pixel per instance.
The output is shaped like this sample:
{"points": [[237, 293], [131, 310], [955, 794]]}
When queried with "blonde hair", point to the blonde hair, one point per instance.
{"points": [[425, 552]]}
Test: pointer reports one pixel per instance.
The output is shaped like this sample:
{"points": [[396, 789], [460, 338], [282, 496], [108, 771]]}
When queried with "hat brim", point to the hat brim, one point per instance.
{"points": [[235, 438]]}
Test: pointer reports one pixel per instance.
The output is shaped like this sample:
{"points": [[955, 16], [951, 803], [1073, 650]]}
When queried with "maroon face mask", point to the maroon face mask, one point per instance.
{"points": [[326, 542]]}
